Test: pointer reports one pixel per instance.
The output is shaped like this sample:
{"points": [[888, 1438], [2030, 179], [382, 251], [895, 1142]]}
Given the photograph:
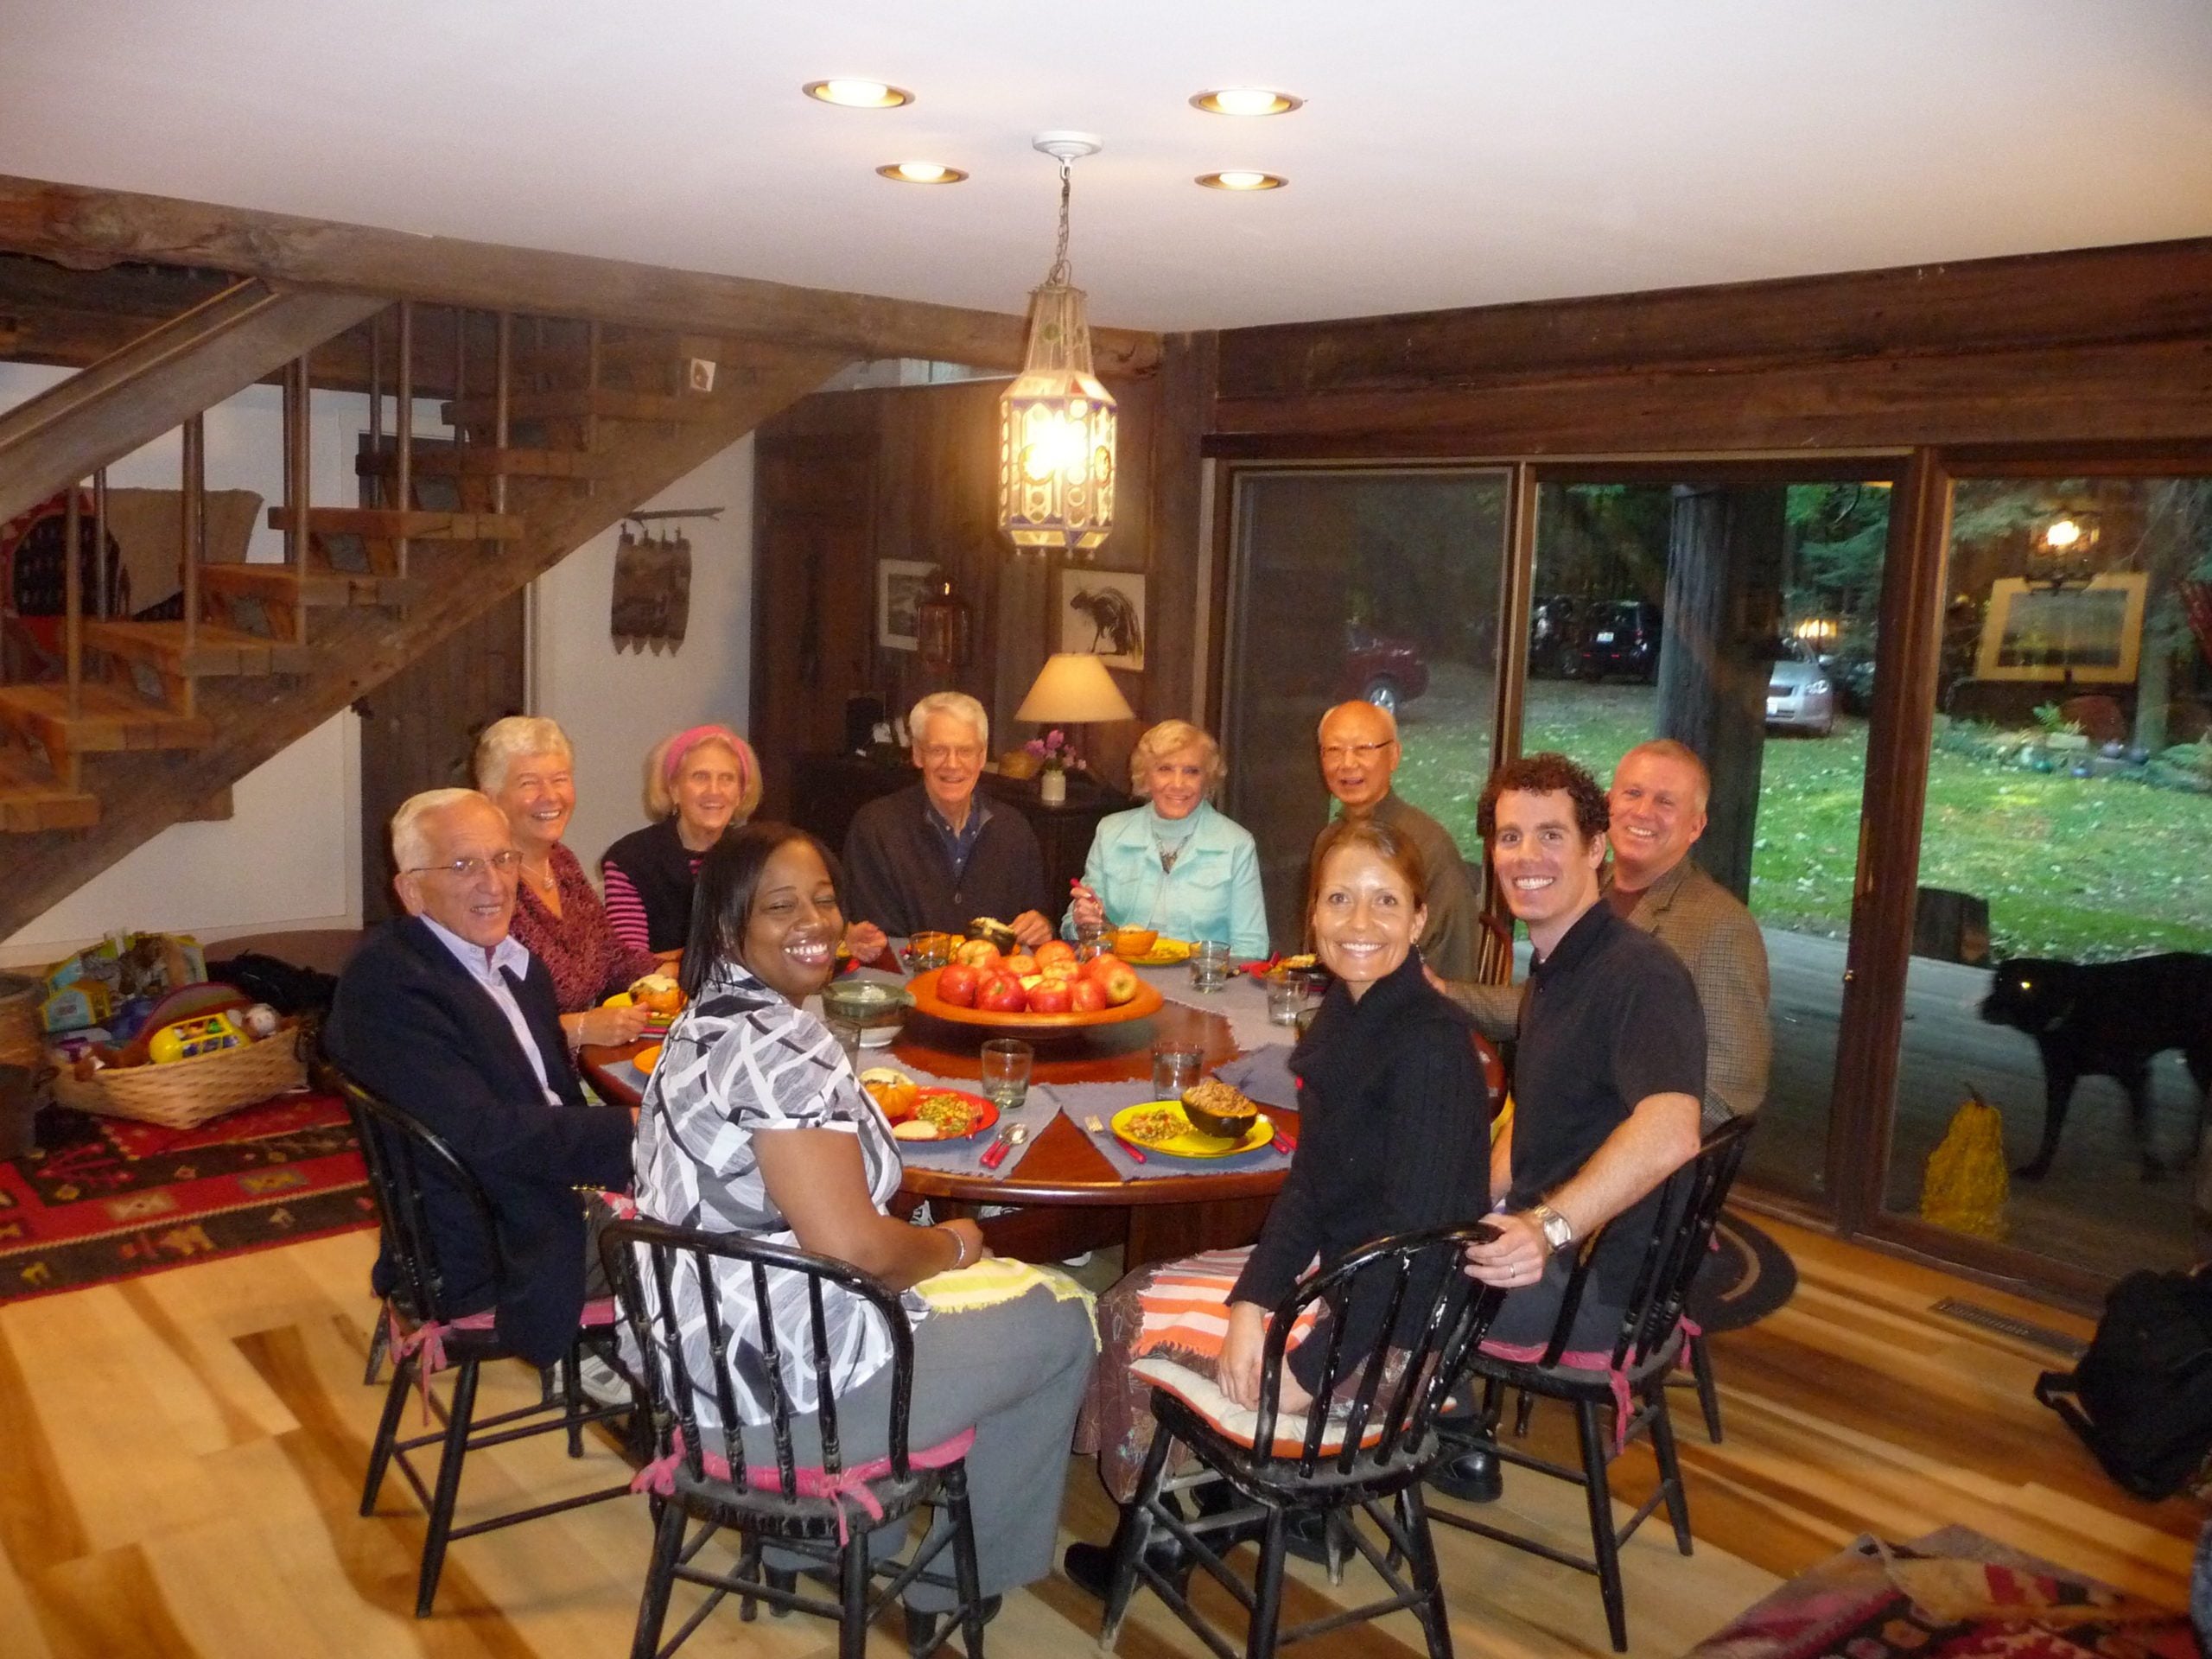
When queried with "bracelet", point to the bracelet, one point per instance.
{"points": [[958, 1243]]}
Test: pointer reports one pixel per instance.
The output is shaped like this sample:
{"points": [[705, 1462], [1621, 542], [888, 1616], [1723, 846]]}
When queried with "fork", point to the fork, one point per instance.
{"points": [[1097, 1128]]}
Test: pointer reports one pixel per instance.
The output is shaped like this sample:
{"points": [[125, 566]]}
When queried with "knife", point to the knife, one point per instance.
{"points": [[1097, 1128]]}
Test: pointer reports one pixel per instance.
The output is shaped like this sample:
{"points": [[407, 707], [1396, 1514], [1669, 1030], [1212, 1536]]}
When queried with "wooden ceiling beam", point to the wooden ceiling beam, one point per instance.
{"points": [[89, 229]]}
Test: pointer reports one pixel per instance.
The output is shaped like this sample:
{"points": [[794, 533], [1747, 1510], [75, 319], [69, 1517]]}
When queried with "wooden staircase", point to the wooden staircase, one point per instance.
{"points": [[147, 719]]}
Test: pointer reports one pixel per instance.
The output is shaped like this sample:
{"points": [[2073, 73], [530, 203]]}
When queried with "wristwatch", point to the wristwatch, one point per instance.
{"points": [[1559, 1231]]}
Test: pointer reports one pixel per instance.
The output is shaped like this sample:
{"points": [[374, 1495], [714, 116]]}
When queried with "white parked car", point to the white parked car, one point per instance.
{"points": [[1799, 696]]}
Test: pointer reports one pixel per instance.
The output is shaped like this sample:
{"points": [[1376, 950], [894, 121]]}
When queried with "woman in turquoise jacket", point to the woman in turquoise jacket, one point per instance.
{"points": [[1176, 864]]}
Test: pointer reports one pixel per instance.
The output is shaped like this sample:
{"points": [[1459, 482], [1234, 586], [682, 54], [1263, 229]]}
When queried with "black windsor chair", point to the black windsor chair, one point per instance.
{"points": [[1650, 1346], [1374, 1443], [805, 1512], [433, 1335]]}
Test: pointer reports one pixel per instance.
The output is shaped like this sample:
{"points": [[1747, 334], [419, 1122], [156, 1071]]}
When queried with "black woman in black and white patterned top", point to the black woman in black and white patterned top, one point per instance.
{"points": [[755, 1122]]}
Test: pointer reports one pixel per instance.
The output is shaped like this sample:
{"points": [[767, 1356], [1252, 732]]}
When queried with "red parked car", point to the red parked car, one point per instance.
{"points": [[1382, 669]]}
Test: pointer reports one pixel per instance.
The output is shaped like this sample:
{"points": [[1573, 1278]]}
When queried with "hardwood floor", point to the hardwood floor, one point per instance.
{"points": [[181, 1460]]}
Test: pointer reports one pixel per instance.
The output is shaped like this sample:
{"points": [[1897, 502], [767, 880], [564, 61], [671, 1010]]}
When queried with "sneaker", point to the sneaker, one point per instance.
{"points": [[602, 1384]]}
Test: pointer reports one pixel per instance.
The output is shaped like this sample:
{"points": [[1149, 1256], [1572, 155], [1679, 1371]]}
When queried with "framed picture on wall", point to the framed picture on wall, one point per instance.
{"points": [[1102, 612], [2090, 636], [900, 587]]}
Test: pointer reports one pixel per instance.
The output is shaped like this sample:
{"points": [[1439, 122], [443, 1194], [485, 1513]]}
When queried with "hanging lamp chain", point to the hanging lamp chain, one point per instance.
{"points": [[1059, 274]]}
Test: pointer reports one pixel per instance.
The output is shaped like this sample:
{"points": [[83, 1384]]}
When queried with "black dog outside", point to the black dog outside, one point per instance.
{"points": [[2107, 1019]]}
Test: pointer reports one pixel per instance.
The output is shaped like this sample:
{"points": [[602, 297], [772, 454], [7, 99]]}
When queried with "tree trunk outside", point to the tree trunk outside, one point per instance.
{"points": [[1724, 611]]}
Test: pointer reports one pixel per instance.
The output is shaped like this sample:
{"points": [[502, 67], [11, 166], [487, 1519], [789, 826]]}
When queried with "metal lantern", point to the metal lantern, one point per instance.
{"points": [[1055, 420], [942, 627]]}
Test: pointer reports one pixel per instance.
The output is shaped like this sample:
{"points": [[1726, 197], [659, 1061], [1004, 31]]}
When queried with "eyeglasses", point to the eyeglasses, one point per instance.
{"points": [[468, 869], [1334, 752], [938, 754]]}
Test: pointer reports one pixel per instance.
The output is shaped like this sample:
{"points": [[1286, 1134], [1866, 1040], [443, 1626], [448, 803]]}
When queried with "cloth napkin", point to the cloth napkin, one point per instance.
{"points": [[1264, 1074]]}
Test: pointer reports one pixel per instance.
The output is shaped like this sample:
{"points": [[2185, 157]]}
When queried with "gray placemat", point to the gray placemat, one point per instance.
{"points": [[966, 1157], [1083, 1101], [1242, 1002]]}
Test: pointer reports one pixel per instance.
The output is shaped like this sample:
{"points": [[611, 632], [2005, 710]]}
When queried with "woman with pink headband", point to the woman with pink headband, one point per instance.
{"points": [[698, 783]]}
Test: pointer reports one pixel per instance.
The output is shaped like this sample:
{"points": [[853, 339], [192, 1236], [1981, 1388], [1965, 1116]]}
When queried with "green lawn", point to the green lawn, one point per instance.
{"points": [[2085, 869]]}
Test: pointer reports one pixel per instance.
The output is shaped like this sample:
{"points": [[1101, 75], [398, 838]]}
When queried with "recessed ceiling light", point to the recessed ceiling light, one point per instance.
{"points": [[851, 94], [922, 173], [1242, 179], [1246, 101]]}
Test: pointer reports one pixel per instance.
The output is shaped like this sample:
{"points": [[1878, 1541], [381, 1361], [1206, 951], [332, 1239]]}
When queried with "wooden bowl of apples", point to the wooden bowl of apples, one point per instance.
{"points": [[1045, 991]]}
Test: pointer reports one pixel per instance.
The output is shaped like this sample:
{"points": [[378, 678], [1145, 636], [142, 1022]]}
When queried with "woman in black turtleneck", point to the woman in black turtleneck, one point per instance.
{"points": [[1394, 1116]]}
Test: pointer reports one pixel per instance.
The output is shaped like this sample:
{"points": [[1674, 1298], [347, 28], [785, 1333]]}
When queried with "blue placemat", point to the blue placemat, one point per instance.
{"points": [[1083, 1101], [1264, 1074]]}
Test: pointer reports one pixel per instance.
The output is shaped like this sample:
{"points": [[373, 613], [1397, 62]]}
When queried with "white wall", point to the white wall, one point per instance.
{"points": [[615, 706], [290, 856]]}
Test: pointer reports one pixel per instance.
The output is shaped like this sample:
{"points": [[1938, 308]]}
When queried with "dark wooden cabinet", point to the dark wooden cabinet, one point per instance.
{"points": [[827, 789]]}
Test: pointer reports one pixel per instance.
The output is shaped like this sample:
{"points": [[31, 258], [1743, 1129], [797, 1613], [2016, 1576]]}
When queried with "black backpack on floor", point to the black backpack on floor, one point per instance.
{"points": [[2141, 1398]]}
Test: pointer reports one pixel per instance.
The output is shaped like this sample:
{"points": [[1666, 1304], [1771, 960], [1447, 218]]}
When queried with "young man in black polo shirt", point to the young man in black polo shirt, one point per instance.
{"points": [[1609, 1070]]}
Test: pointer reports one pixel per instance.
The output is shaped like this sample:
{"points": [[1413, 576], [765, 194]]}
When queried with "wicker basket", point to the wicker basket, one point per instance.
{"points": [[20, 1002], [186, 1093]]}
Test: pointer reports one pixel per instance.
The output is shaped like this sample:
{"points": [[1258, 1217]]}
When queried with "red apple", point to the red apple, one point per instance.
{"points": [[1050, 996], [1101, 964], [1086, 997], [1054, 951], [1120, 983], [978, 953], [1021, 965], [956, 983], [1002, 995]]}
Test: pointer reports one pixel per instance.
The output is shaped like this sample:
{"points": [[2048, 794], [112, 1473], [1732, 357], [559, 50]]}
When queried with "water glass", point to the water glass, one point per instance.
{"points": [[1175, 1066], [1285, 996], [1209, 965], [1090, 941], [1007, 1061], [928, 950]]}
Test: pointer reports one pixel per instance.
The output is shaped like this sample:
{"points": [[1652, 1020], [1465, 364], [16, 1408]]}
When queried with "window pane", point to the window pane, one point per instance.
{"points": [[2064, 914], [1739, 622], [1376, 584]]}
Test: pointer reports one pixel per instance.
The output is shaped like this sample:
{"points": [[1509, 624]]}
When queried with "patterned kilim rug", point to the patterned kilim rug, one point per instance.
{"points": [[1955, 1594], [106, 1198]]}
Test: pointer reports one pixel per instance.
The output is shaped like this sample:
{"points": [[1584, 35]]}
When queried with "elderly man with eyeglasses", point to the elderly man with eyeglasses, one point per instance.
{"points": [[446, 1017], [935, 855], [1359, 752]]}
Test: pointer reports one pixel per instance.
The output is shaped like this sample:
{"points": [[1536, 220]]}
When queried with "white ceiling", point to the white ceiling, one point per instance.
{"points": [[1452, 152]]}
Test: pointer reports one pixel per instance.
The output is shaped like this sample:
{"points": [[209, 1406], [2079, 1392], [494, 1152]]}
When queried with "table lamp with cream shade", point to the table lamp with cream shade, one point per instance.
{"points": [[1073, 688]]}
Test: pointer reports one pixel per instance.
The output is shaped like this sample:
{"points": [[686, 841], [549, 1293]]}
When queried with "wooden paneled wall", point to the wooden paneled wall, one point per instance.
{"points": [[931, 495], [2109, 344]]}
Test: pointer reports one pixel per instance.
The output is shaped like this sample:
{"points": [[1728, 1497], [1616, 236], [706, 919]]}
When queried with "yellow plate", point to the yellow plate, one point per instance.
{"points": [[1165, 953], [1189, 1143]]}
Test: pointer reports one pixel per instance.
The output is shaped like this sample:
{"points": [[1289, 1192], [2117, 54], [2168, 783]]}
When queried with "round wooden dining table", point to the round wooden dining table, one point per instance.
{"points": [[1064, 1196]]}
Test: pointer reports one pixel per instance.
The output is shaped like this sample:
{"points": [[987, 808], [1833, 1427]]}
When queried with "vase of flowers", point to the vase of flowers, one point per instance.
{"points": [[1056, 757]]}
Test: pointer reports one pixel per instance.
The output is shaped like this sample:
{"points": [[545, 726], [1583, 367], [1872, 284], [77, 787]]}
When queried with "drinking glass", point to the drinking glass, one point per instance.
{"points": [[1007, 1061], [928, 950], [1176, 1064], [1209, 965], [1090, 940], [1285, 996]]}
